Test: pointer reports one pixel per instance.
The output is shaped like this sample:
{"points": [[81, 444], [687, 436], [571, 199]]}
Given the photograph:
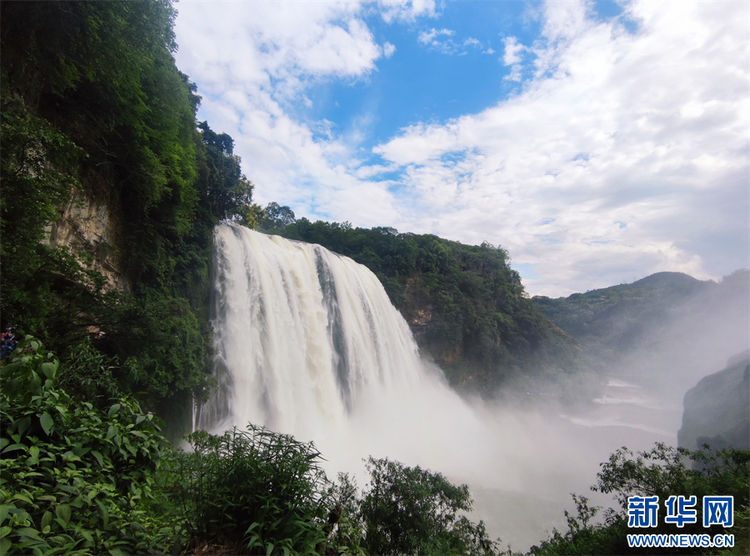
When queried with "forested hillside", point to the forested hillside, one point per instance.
{"points": [[96, 118], [665, 322], [465, 305]]}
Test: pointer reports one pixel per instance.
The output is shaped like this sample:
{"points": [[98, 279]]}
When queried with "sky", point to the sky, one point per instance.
{"points": [[596, 141]]}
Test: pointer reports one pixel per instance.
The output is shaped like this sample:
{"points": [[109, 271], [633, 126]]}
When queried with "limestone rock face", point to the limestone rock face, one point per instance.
{"points": [[88, 228], [717, 409]]}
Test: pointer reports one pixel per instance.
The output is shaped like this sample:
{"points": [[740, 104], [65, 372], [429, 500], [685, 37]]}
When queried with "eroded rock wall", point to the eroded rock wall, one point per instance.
{"points": [[89, 228]]}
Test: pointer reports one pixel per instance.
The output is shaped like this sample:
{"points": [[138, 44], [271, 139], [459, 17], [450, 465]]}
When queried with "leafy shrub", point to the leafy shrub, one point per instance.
{"points": [[75, 479], [662, 471], [409, 510], [255, 490]]}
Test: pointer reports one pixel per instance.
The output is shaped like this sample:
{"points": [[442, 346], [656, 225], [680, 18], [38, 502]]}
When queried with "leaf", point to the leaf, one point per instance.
{"points": [[46, 519], [23, 424], [63, 513], [50, 369], [5, 511], [114, 409], [104, 512], [29, 532], [47, 422], [98, 457], [4, 531]]}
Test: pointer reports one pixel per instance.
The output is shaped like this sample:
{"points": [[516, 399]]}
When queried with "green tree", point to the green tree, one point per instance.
{"points": [[662, 471], [227, 191], [93, 104], [409, 510], [276, 217], [254, 490]]}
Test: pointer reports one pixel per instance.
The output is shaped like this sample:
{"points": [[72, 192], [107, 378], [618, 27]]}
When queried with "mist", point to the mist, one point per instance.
{"points": [[308, 344]]}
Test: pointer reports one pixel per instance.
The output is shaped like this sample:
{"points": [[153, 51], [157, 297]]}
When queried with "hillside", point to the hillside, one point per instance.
{"points": [[617, 317], [110, 192], [658, 326], [717, 409]]}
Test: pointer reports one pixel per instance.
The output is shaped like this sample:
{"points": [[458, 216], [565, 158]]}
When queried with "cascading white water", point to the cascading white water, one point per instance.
{"points": [[309, 344]]}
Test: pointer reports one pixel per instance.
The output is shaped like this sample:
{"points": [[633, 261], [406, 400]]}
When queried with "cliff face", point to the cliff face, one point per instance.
{"points": [[717, 409], [90, 230]]}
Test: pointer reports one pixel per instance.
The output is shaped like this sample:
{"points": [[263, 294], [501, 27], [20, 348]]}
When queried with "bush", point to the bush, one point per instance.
{"points": [[255, 491], [409, 510], [76, 479], [662, 471]]}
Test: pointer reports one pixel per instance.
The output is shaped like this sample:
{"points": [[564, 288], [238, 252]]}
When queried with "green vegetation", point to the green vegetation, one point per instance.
{"points": [[465, 305], [84, 478], [617, 317], [408, 510], [95, 478], [663, 471], [94, 109], [256, 490], [76, 478]]}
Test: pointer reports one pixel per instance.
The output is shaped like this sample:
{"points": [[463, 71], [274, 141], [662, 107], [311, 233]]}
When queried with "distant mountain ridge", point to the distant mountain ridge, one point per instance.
{"points": [[662, 324], [616, 313]]}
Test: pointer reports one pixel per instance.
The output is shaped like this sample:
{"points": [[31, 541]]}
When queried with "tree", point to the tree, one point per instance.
{"points": [[226, 190], [254, 489], [409, 510], [276, 217], [663, 471]]}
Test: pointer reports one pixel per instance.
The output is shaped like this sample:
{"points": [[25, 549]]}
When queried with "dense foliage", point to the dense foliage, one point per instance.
{"points": [[408, 510], [663, 471], [255, 489], [95, 112], [91, 478], [466, 306], [76, 478], [95, 478]]}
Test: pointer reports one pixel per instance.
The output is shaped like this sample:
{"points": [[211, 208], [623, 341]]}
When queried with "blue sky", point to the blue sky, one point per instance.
{"points": [[598, 142]]}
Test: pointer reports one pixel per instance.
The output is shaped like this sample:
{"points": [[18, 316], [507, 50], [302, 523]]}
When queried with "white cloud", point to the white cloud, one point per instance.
{"points": [[432, 37], [406, 10], [512, 51], [254, 62], [649, 130], [625, 154], [442, 40]]}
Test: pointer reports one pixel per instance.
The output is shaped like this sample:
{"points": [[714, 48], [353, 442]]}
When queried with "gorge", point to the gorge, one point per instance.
{"points": [[307, 343]]}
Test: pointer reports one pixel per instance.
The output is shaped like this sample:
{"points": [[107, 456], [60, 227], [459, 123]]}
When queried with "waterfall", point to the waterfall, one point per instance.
{"points": [[308, 343]]}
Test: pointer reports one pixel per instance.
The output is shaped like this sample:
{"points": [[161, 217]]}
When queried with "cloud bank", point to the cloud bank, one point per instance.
{"points": [[622, 151]]}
